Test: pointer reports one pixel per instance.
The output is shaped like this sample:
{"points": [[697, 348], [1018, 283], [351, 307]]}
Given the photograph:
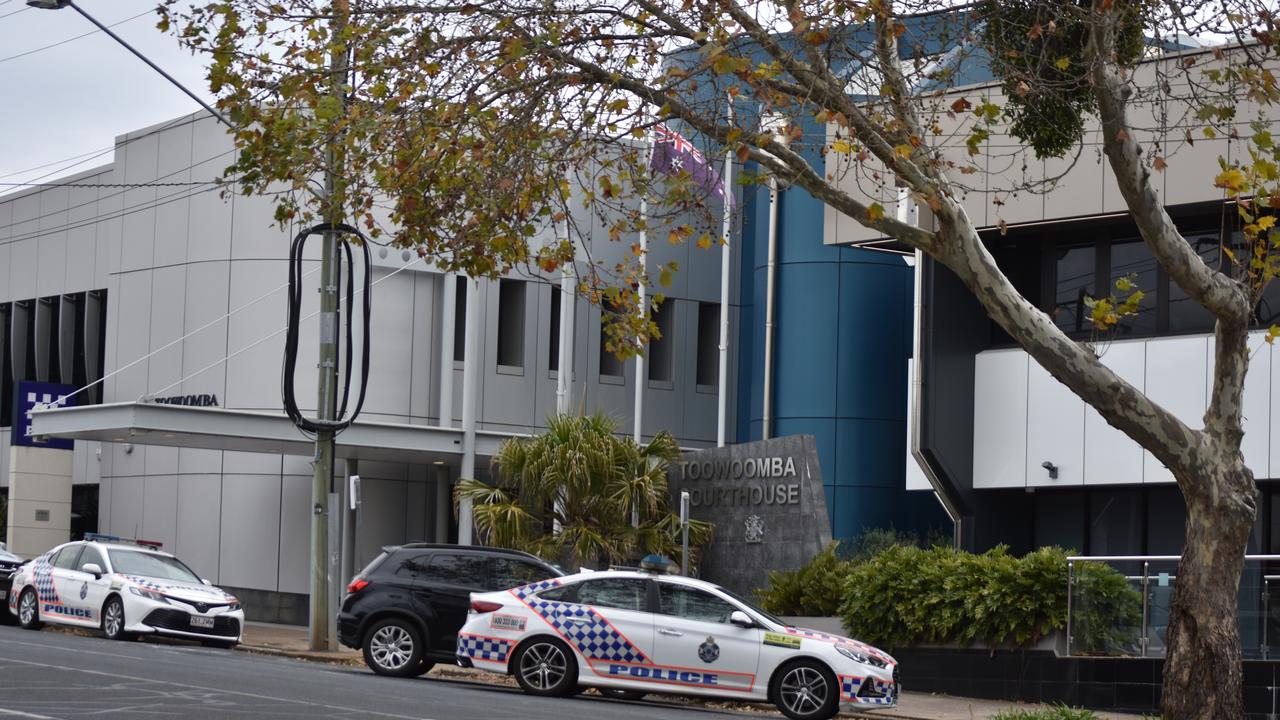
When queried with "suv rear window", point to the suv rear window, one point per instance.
{"points": [[505, 572]]}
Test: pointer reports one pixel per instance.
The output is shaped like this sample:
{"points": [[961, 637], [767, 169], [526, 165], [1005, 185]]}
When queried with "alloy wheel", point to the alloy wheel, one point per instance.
{"points": [[113, 619], [543, 666], [392, 647], [27, 608], [803, 690]]}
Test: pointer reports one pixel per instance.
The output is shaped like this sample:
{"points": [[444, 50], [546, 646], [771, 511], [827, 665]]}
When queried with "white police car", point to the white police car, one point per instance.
{"points": [[650, 632], [124, 588]]}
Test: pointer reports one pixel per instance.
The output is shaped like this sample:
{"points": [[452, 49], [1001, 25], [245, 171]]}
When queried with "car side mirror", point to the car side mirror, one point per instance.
{"points": [[741, 619], [93, 569], [205, 581]]}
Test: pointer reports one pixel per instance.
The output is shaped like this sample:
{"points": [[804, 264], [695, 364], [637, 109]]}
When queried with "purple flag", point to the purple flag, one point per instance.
{"points": [[674, 154]]}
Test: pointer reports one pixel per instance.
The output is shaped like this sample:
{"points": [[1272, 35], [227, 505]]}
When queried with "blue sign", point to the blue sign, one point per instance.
{"points": [[30, 394]]}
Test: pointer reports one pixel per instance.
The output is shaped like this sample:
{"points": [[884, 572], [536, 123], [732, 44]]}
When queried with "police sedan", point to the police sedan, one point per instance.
{"points": [[124, 589], [651, 632]]}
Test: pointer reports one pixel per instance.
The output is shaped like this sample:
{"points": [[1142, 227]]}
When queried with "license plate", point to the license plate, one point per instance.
{"points": [[4, 594], [201, 622]]}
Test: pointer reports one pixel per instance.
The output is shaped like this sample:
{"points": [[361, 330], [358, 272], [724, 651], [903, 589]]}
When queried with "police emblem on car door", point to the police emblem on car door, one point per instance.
{"points": [[709, 651]]}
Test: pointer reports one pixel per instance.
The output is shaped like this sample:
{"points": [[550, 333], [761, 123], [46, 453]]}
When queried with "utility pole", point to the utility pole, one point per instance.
{"points": [[327, 378]]}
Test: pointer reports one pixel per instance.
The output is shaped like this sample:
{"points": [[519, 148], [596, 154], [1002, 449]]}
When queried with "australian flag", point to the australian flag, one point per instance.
{"points": [[674, 154]]}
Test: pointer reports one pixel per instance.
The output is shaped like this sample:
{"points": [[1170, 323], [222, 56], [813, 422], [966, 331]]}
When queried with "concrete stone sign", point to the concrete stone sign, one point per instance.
{"points": [[766, 501]]}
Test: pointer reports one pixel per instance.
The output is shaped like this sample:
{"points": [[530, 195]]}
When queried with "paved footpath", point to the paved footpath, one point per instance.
{"points": [[291, 641]]}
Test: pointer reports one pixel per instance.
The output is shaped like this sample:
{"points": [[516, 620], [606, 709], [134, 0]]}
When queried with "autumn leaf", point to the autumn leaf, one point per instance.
{"points": [[1231, 180], [844, 147], [1159, 164], [1063, 63], [875, 213]]}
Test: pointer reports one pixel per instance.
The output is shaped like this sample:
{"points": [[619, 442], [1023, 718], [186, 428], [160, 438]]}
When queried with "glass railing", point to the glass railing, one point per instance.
{"points": [[1118, 605]]}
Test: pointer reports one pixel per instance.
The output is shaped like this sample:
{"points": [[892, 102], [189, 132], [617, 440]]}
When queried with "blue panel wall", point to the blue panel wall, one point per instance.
{"points": [[842, 340]]}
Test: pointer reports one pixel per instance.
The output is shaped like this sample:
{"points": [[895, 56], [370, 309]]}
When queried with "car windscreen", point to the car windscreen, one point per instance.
{"points": [[755, 608], [132, 562]]}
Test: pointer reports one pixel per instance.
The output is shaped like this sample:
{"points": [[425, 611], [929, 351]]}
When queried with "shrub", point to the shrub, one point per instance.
{"points": [[1053, 712], [814, 589], [1106, 614]]}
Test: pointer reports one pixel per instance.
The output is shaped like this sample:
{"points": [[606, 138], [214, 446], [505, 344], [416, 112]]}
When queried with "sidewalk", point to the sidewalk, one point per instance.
{"points": [[291, 641]]}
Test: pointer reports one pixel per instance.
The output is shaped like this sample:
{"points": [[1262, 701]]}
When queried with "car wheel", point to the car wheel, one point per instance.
{"points": [[393, 647], [29, 610], [806, 690], [545, 666], [620, 694], [113, 619]]}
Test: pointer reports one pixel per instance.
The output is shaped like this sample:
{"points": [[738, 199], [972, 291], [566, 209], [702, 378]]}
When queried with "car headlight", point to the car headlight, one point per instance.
{"points": [[860, 657], [233, 604], [148, 594]]}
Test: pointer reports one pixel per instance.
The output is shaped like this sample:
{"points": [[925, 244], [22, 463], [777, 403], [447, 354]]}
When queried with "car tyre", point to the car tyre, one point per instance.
{"points": [[806, 690], [620, 694], [424, 666], [393, 647], [29, 610], [113, 621], [546, 667]]}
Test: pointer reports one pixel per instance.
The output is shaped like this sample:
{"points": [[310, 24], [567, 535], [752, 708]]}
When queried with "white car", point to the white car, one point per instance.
{"points": [[124, 589], [650, 632]]}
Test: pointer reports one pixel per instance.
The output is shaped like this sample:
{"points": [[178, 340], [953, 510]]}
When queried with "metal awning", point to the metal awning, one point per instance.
{"points": [[253, 431]]}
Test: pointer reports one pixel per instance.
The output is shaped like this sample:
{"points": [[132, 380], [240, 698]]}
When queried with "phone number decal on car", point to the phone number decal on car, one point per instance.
{"points": [[507, 622]]}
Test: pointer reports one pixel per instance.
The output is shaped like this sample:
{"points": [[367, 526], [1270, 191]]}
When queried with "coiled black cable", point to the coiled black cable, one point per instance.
{"points": [[341, 420]]}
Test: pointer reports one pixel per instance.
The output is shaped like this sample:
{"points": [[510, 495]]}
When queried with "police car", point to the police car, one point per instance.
{"points": [[124, 588], [644, 631]]}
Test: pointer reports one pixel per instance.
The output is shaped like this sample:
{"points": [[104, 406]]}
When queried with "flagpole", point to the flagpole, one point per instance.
{"points": [[641, 380], [724, 291]]}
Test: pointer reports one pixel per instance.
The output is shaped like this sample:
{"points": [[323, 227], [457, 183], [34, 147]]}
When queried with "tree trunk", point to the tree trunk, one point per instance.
{"points": [[1203, 675]]}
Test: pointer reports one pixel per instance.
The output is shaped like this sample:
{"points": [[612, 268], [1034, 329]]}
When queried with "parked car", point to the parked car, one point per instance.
{"points": [[404, 610], [8, 564], [124, 589], [648, 631]]}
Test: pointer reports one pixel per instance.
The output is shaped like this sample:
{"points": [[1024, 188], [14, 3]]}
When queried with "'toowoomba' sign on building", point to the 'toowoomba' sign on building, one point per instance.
{"points": [[767, 503]]}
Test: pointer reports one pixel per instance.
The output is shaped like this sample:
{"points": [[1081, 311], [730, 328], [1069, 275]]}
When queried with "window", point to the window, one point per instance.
{"points": [[511, 323], [409, 566], [1185, 314], [1075, 269], [610, 364], [553, 356], [161, 567], [708, 343], [1134, 259], [460, 320], [509, 572], [692, 604], [465, 570], [67, 557], [564, 593], [620, 593], [6, 367], [661, 348], [91, 554]]}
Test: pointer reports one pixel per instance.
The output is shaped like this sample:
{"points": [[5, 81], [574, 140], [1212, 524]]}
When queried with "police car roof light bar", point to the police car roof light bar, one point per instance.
{"points": [[102, 537]]}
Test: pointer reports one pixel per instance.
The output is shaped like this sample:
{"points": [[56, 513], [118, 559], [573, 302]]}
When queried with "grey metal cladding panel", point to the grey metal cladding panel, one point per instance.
{"points": [[127, 498], [158, 460], [168, 296], [699, 408], [425, 351], [6, 250], [416, 507], [207, 299], [4, 459], [295, 534], [160, 509], [391, 366], [209, 220], [22, 269], [173, 211], [199, 523], [250, 531], [51, 242], [254, 233], [138, 249], [132, 312], [253, 376], [82, 240], [251, 463]]}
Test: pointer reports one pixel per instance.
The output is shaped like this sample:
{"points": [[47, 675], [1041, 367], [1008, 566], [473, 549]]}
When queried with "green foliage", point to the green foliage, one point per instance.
{"points": [[813, 589], [1053, 712], [1107, 611], [1038, 49], [569, 494], [912, 596]]}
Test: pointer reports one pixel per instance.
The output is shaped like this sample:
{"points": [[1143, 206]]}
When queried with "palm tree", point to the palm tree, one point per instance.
{"points": [[572, 493]]}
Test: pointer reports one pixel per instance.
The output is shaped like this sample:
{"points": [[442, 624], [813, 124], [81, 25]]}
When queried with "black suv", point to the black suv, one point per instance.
{"points": [[405, 609]]}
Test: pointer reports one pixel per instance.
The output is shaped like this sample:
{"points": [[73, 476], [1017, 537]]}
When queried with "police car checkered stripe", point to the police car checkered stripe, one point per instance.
{"points": [[585, 628], [42, 575], [483, 648], [849, 686]]}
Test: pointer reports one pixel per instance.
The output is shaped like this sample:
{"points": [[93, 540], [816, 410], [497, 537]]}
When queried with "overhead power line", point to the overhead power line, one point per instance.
{"points": [[72, 39]]}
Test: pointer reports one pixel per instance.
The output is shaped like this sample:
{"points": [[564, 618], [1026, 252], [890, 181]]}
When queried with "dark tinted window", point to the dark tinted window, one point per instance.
{"points": [[1134, 260], [509, 572], [409, 565], [621, 593], [564, 593], [1075, 269], [692, 604], [1185, 314], [67, 557], [458, 569]]}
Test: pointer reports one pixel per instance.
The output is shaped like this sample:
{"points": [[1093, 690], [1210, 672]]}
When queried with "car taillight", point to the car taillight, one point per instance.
{"points": [[483, 606], [357, 585]]}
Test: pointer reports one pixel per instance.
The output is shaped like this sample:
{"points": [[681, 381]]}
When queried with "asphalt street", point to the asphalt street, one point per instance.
{"points": [[56, 675]]}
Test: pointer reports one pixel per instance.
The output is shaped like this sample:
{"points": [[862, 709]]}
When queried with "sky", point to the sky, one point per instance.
{"points": [[75, 97]]}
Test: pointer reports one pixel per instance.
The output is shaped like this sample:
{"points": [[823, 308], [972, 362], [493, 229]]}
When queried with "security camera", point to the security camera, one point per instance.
{"points": [[1053, 469]]}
